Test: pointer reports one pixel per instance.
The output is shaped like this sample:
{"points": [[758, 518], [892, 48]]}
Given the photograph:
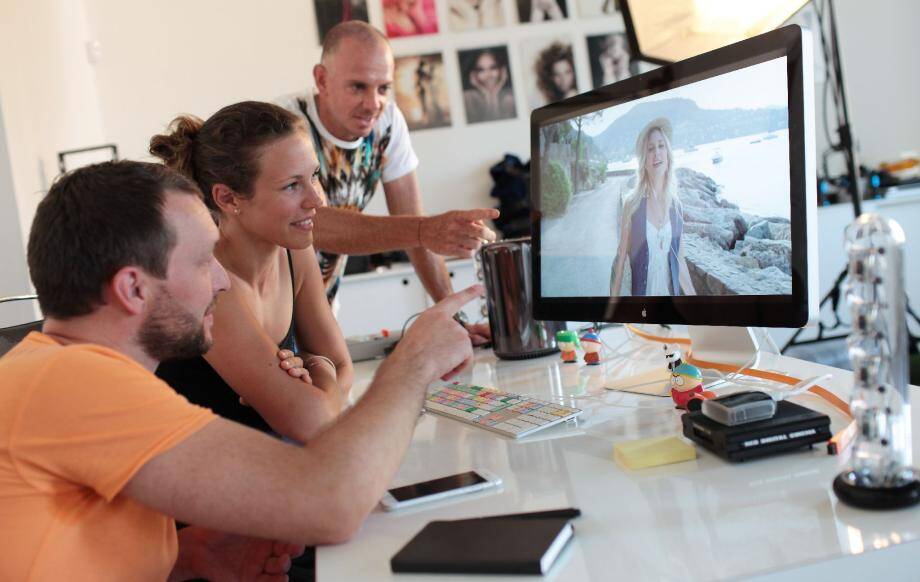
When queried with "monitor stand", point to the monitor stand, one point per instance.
{"points": [[736, 346]]}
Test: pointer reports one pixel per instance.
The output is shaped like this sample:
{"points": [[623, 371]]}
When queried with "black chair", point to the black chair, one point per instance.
{"points": [[12, 335]]}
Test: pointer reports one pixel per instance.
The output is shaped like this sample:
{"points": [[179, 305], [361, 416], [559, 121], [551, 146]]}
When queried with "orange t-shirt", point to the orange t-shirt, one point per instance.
{"points": [[76, 424]]}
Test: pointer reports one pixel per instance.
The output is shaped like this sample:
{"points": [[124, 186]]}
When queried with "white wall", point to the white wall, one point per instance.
{"points": [[198, 56], [49, 98], [48, 103], [163, 58], [879, 49], [14, 280]]}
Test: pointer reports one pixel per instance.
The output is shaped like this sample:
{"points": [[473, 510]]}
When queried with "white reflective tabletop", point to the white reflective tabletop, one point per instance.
{"points": [[698, 520]]}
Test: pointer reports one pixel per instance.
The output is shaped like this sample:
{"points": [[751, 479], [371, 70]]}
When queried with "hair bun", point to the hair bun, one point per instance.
{"points": [[177, 147]]}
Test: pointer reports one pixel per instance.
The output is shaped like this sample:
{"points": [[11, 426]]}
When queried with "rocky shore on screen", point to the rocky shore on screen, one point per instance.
{"points": [[728, 251]]}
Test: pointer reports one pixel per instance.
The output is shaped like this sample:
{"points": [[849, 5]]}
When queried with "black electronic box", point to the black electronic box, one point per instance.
{"points": [[792, 427]]}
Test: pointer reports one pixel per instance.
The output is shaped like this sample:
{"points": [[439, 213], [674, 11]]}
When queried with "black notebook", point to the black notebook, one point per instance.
{"points": [[485, 546]]}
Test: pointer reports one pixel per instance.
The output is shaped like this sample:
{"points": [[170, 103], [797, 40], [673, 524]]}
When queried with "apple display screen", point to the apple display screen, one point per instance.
{"points": [[685, 192]]}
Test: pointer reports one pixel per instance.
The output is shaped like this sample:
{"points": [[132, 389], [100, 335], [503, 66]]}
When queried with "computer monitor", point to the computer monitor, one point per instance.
{"points": [[685, 195]]}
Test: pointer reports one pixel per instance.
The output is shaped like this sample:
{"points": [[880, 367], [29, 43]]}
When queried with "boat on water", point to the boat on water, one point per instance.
{"points": [[717, 157]]}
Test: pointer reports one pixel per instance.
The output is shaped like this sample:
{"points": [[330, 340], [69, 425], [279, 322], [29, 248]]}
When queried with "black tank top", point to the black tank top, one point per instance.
{"points": [[201, 384]]}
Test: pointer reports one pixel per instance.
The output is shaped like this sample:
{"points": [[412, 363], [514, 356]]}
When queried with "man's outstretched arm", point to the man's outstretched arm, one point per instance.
{"points": [[456, 233], [404, 197], [231, 478], [464, 231]]}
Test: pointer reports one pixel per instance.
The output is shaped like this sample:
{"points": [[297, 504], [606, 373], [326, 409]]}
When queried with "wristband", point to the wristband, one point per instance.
{"points": [[324, 358]]}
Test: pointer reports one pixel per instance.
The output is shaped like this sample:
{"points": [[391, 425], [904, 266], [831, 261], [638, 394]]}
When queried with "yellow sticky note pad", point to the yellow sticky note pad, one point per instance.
{"points": [[652, 452]]}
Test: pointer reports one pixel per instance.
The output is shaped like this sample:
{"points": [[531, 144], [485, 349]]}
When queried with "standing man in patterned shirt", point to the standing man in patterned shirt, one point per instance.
{"points": [[361, 139]]}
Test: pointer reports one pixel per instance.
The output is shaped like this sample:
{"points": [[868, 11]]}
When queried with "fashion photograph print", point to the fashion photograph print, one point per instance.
{"points": [[421, 91], [488, 89]]}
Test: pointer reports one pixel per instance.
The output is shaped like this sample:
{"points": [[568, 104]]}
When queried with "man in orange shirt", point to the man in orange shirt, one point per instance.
{"points": [[98, 456]]}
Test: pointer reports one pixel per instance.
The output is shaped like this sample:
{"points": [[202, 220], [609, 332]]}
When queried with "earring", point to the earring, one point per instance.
{"points": [[236, 211]]}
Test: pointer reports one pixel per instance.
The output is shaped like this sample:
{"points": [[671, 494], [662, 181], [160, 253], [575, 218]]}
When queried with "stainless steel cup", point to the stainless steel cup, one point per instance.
{"points": [[506, 272]]}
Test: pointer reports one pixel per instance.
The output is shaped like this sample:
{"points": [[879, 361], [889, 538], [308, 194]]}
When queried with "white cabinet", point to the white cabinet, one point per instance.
{"points": [[462, 275], [370, 302]]}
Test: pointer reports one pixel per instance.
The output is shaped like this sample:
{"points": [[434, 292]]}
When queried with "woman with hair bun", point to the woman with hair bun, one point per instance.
{"points": [[259, 175]]}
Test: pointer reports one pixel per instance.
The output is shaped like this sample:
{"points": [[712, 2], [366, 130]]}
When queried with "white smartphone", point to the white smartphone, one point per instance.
{"points": [[439, 488]]}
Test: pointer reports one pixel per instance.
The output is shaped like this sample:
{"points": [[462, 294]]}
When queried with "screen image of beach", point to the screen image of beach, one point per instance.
{"points": [[683, 192]]}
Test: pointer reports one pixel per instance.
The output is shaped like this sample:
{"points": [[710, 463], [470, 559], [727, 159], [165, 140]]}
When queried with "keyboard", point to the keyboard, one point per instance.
{"points": [[512, 415]]}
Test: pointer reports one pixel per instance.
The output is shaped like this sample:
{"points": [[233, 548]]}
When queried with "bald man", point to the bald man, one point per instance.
{"points": [[361, 139]]}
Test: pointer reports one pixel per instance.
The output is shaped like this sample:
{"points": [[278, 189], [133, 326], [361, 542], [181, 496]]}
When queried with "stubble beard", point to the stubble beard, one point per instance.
{"points": [[171, 332]]}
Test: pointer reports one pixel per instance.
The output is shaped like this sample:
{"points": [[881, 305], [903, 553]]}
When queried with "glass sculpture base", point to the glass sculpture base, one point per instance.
{"points": [[895, 497]]}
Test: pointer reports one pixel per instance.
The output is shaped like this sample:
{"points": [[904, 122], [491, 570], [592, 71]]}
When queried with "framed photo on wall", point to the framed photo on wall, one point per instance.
{"points": [[549, 70], [488, 90], [541, 10], [464, 15], [332, 12], [421, 91], [409, 17], [590, 8], [610, 58], [72, 159]]}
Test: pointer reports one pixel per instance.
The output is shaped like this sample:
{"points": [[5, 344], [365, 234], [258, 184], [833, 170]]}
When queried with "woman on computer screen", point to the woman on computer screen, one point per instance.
{"points": [[652, 223]]}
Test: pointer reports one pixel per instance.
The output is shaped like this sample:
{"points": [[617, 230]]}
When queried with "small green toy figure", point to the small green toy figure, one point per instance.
{"points": [[567, 342], [591, 344]]}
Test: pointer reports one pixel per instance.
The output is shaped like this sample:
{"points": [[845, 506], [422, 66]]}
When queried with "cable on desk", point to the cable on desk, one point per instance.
{"points": [[612, 352], [406, 324], [836, 445], [734, 375]]}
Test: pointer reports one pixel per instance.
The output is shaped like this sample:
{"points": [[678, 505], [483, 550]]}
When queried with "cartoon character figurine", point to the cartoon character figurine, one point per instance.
{"points": [[673, 358], [592, 346], [687, 385], [567, 342]]}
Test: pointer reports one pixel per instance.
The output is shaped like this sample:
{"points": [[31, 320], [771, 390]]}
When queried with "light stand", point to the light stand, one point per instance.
{"points": [[834, 79], [844, 127]]}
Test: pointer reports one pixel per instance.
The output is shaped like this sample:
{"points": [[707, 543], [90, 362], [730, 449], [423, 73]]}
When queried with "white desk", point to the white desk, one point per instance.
{"points": [[771, 519]]}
